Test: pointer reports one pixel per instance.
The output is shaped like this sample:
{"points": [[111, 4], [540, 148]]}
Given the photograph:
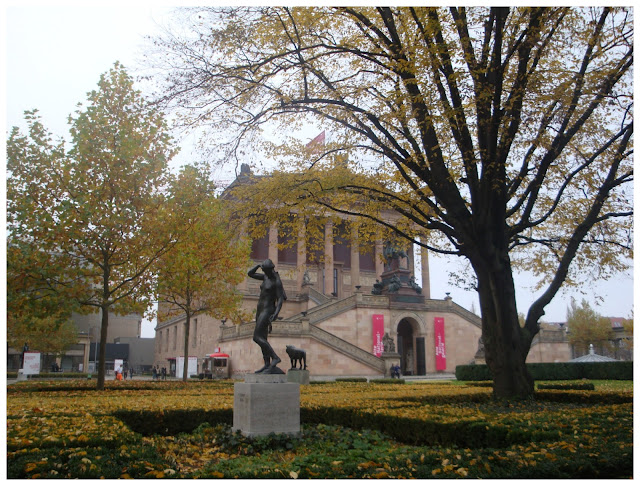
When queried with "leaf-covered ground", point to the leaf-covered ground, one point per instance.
{"points": [[350, 430]]}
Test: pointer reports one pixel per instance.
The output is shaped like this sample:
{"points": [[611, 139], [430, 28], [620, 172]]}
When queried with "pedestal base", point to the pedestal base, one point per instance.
{"points": [[389, 360], [298, 376], [261, 407]]}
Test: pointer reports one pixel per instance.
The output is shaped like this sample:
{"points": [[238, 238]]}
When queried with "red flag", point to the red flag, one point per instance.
{"points": [[319, 140]]}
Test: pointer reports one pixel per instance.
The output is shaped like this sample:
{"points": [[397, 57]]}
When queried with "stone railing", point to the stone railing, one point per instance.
{"points": [[347, 348], [318, 297], [434, 305], [305, 329]]}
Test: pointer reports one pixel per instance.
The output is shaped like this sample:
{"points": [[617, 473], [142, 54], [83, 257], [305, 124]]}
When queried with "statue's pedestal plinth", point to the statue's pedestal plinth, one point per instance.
{"points": [[389, 360], [266, 403], [298, 376]]}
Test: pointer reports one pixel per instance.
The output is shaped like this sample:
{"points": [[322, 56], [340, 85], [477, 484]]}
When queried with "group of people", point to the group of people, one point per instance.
{"points": [[157, 373], [121, 374], [395, 371]]}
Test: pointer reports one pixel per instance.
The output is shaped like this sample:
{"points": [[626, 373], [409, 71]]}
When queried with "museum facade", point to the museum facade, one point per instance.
{"points": [[354, 312]]}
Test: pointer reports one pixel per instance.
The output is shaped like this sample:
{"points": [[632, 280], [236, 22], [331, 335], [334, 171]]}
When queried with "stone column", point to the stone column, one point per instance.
{"points": [[328, 259], [273, 244], [378, 259], [424, 266], [355, 258], [301, 258]]}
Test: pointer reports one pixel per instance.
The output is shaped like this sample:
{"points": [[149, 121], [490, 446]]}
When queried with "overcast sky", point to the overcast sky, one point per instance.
{"points": [[54, 55]]}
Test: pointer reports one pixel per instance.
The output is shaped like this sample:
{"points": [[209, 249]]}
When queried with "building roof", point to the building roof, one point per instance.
{"points": [[592, 357]]}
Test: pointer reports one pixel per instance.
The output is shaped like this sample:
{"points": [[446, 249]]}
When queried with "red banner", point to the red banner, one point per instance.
{"points": [[441, 356], [377, 326]]}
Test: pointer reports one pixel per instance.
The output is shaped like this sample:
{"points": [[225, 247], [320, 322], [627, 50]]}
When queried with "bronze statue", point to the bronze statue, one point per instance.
{"points": [[270, 302], [297, 356]]}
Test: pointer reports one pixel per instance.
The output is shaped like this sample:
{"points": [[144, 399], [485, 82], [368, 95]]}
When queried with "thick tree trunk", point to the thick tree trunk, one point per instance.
{"points": [[506, 343], [185, 368], [103, 347]]}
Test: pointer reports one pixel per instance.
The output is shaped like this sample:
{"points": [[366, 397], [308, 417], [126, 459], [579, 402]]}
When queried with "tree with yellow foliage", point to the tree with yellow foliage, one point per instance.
{"points": [[200, 273], [94, 215], [501, 135]]}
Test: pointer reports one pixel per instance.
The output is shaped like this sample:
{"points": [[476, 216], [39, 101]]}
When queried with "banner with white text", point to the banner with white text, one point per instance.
{"points": [[441, 355], [377, 323]]}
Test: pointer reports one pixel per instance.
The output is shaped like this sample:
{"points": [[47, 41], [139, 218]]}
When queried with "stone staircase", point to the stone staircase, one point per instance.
{"points": [[304, 323]]}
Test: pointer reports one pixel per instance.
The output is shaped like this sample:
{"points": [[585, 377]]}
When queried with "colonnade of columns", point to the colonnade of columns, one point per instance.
{"points": [[325, 284]]}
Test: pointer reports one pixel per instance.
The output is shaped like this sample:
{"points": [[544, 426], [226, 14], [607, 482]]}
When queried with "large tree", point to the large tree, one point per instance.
{"points": [[96, 212], [200, 273], [501, 135], [587, 327]]}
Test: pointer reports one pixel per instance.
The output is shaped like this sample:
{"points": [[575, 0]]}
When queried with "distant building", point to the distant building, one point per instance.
{"points": [[84, 355]]}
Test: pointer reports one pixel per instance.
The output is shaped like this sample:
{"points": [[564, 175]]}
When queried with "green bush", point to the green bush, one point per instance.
{"points": [[50, 376], [473, 373], [392, 381], [352, 380], [568, 386], [613, 370], [172, 422]]}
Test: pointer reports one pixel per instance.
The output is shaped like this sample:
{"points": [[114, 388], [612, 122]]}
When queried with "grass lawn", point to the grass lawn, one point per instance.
{"points": [[138, 429]]}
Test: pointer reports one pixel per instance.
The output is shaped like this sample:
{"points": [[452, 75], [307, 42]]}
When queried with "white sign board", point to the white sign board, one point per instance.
{"points": [[118, 365], [192, 366], [31, 363]]}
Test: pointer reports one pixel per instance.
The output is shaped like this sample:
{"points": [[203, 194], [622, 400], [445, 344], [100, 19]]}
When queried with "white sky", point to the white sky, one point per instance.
{"points": [[54, 55]]}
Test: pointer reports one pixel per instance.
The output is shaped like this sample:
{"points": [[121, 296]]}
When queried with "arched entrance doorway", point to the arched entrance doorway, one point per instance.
{"points": [[411, 349]]}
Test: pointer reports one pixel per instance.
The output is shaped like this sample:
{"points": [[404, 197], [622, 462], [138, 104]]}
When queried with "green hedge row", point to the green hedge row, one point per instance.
{"points": [[568, 386], [12, 375], [387, 381], [613, 370], [172, 422]]}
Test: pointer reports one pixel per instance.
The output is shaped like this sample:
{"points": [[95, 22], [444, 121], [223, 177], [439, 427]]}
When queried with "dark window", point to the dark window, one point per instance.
{"points": [[315, 242], [288, 254], [367, 258], [260, 248]]}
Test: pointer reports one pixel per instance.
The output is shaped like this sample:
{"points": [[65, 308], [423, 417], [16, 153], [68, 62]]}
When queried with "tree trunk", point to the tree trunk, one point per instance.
{"points": [[103, 347], [185, 368], [506, 343]]}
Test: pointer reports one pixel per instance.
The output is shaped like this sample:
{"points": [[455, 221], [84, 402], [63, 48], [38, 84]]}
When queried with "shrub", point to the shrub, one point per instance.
{"points": [[172, 422], [567, 386], [352, 380], [613, 370], [392, 381]]}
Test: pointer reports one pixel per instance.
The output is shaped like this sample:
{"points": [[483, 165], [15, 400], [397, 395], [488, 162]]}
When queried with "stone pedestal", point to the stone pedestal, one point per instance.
{"points": [[389, 359], [298, 376], [266, 403]]}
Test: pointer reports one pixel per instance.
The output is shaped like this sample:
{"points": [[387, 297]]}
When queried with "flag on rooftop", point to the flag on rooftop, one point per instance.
{"points": [[319, 140]]}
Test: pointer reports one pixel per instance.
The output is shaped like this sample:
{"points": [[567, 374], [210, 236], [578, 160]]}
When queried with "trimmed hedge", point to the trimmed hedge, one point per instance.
{"points": [[613, 370], [568, 386], [172, 422], [12, 375]]}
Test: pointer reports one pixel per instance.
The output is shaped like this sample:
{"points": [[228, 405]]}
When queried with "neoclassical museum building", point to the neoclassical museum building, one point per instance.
{"points": [[355, 314]]}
